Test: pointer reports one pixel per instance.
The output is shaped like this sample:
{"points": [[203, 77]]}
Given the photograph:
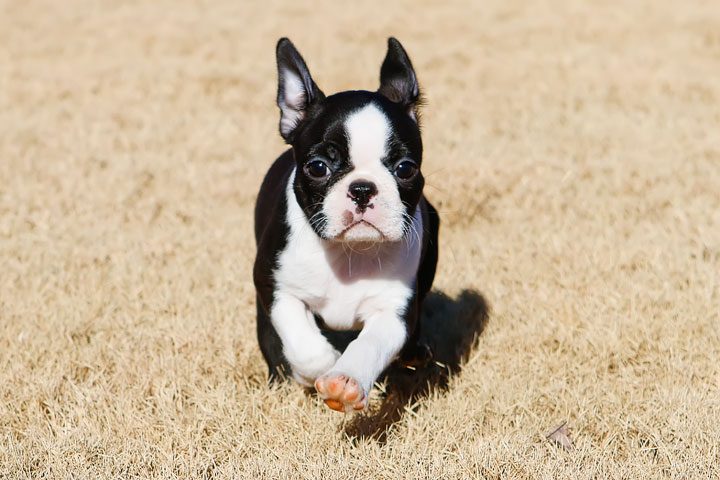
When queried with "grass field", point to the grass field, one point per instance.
{"points": [[573, 149]]}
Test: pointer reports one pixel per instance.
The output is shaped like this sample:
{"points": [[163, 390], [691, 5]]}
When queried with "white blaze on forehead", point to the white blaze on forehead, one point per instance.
{"points": [[368, 131]]}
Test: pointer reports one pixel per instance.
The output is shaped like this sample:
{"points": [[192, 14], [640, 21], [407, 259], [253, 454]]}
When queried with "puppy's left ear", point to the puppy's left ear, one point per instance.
{"points": [[296, 89], [397, 78]]}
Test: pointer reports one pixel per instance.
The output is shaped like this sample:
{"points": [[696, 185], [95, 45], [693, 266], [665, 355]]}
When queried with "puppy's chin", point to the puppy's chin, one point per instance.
{"points": [[362, 233], [361, 236]]}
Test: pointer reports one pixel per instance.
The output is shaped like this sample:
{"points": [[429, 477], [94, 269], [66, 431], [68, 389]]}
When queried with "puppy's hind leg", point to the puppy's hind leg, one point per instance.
{"points": [[271, 346]]}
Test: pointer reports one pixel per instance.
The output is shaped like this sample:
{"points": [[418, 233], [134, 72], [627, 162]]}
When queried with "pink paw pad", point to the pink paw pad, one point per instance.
{"points": [[340, 392]]}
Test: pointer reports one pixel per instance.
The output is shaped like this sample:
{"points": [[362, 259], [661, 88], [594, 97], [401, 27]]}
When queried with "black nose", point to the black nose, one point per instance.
{"points": [[361, 191]]}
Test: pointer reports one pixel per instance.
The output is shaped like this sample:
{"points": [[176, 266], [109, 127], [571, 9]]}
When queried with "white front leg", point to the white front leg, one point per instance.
{"points": [[307, 351], [347, 385]]}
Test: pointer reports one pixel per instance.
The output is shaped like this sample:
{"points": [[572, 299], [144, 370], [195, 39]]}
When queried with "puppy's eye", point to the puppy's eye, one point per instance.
{"points": [[406, 169], [317, 169]]}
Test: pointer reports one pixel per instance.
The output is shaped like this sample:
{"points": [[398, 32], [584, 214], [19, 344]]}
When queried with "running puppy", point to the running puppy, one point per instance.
{"points": [[345, 238]]}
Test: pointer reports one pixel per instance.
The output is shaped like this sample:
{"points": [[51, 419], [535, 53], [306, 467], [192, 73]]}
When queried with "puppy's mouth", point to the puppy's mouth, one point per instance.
{"points": [[362, 223]]}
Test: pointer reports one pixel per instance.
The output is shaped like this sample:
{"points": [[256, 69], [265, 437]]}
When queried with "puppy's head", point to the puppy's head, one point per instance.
{"points": [[358, 153]]}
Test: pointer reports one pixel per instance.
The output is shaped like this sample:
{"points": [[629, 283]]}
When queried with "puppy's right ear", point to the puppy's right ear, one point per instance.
{"points": [[296, 89]]}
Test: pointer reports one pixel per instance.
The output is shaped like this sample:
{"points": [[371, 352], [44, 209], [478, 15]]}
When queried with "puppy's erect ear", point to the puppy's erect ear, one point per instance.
{"points": [[397, 78], [296, 88]]}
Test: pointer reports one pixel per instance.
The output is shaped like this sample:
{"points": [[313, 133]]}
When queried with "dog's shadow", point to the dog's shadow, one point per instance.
{"points": [[450, 328]]}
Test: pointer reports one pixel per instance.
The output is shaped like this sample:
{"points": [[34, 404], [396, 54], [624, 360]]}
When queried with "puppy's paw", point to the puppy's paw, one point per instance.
{"points": [[306, 368], [341, 392]]}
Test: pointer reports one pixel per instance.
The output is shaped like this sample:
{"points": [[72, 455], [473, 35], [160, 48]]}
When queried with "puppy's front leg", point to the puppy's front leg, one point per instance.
{"points": [[306, 350], [347, 385]]}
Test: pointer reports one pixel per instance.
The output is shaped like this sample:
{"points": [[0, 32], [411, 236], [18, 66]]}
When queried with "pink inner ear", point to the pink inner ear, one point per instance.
{"points": [[291, 101], [294, 90]]}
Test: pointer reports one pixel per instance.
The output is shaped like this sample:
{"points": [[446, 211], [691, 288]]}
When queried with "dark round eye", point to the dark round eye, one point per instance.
{"points": [[405, 169], [317, 169]]}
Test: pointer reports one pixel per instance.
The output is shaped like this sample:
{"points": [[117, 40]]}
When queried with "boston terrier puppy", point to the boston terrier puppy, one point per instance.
{"points": [[345, 238]]}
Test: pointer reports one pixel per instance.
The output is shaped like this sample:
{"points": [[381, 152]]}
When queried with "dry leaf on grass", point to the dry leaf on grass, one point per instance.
{"points": [[560, 436]]}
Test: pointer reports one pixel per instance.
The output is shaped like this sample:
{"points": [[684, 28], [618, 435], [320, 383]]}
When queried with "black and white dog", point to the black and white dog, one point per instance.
{"points": [[345, 238]]}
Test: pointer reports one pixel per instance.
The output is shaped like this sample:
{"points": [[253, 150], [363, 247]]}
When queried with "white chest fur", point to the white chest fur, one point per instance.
{"points": [[346, 286]]}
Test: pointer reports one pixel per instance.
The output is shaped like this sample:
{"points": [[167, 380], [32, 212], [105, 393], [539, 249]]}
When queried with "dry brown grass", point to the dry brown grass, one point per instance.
{"points": [[573, 149]]}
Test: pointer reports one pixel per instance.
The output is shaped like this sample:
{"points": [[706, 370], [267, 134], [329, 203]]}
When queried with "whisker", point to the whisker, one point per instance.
{"points": [[434, 172], [440, 189]]}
